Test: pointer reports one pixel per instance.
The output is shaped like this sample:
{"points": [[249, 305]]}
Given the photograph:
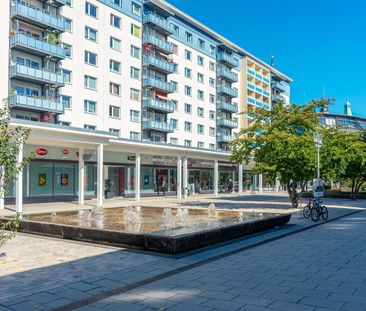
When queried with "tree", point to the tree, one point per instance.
{"points": [[280, 143], [344, 156]]}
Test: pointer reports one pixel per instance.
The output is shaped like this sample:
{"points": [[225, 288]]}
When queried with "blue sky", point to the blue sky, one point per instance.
{"points": [[318, 43]]}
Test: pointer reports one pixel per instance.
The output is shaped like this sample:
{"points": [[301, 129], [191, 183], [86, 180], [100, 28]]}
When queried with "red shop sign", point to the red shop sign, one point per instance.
{"points": [[41, 151], [65, 151]]}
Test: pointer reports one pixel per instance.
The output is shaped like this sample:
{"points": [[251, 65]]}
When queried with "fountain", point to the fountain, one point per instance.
{"points": [[211, 210], [182, 214], [168, 217], [241, 217]]}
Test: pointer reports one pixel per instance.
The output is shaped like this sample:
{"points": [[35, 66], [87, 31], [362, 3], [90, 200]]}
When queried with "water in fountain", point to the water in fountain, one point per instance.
{"points": [[53, 214], [168, 217], [182, 214], [211, 210], [241, 216]]}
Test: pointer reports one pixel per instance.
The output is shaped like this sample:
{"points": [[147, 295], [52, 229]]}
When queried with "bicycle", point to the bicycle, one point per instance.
{"points": [[307, 208], [318, 210]]}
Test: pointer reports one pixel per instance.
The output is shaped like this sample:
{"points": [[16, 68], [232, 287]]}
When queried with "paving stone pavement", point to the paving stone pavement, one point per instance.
{"points": [[39, 273]]}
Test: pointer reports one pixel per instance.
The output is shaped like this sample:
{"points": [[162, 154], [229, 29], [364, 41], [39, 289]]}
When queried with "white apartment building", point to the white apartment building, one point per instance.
{"points": [[155, 85]]}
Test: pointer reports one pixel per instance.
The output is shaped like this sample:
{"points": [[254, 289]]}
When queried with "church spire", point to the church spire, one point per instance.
{"points": [[347, 107]]}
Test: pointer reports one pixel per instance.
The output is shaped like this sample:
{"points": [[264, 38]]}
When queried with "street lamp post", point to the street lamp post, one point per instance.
{"points": [[318, 140]]}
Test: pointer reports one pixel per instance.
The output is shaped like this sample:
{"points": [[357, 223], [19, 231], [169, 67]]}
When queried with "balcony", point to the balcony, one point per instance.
{"points": [[227, 91], [60, 2], [251, 86], [251, 100], [225, 138], [26, 43], [280, 87], [278, 98], [158, 105], [161, 24], [29, 74], [38, 104], [258, 90], [38, 17], [250, 116], [158, 126], [227, 107], [265, 80], [251, 72], [265, 93], [162, 86], [161, 45], [227, 123], [159, 64], [228, 75], [228, 59]]}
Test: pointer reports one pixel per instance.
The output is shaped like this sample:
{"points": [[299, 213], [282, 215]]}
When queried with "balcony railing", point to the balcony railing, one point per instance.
{"points": [[250, 115], [39, 17], [37, 46], [265, 93], [279, 86], [228, 91], [36, 75], [159, 22], [251, 100], [163, 106], [266, 80], [251, 72], [36, 103], [159, 64], [158, 126], [158, 84], [228, 59], [161, 45], [251, 86], [225, 138], [227, 123], [227, 74], [227, 107]]}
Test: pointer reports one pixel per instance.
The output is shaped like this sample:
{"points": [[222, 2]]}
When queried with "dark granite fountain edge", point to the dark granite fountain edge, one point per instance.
{"points": [[151, 241]]}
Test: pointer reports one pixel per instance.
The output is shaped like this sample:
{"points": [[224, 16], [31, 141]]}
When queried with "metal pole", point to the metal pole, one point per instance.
{"points": [[318, 164]]}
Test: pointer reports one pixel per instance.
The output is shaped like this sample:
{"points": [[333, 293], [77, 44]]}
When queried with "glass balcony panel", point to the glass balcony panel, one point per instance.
{"points": [[227, 107], [228, 91], [227, 123], [37, 75], [164, 106], [158, 126], [158, 63], [225, 138], [37, 103], [228, 59], [163, 24], [161, 45], [158, 84], [230, 75]]}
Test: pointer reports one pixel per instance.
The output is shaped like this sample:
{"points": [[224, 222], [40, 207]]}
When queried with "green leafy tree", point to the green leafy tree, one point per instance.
{"points": [[280, 144]]}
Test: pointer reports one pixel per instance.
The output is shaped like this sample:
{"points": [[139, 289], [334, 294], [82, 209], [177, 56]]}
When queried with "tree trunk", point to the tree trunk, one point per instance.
{"points": [[291, 190], [353, 190]]}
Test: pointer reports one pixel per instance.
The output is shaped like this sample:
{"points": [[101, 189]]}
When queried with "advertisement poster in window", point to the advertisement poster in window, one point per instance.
{"points": [[64, 179], [42, 179]]}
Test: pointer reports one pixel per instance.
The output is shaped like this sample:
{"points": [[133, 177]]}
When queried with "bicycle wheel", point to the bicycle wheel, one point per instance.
{"points": [[314, 214], [306, 211], [324, 212]]}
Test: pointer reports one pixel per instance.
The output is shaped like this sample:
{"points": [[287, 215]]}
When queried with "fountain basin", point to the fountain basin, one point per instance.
{"points": [[151, 231]]}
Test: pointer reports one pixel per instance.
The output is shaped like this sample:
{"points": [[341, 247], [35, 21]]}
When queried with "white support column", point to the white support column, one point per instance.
{"points": [[216, 178], [179, 178], [2, 188], [277, 184], [138, 177], [81, 176], [260, 183], [185, 177], [100, 180], [19, 184], [240, 177]]}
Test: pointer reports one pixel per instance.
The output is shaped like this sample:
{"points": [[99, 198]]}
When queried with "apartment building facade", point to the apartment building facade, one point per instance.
{"points": [[141, 72]]}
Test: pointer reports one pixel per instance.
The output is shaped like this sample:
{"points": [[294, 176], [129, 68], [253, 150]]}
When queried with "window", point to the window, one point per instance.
{"points": [[67, 76], [134, 94], [135, 116], [188, 55], [200, 95], [66, 101], [69, 2], [91, 9], [174, 141], [176, 30], [175, 86], [68, 50], [90, 82], [200, 77], [117, 2], [175, 67], [212, 131], [68, 24], [135, 73], [188, 73], [114, 66], [212, 115], [91, 33], [188, 126], [115, 21], [114, 88], [175, 104], [90, 127], [174, 122], [114, 131], [134, 135], [64, 123], [212, 82], [200, 129], [212, 66], [136, 9], [212, 49], [200, 60], [135, 30], [200, 145], [114, 111], [189, 37], [90, 106], [187, 108], [212, 99], [200, 111], [91, 58], [115, 44], [175, 49], [135, 51], [201, 44], [188, 90], [188, 143], [212, 146]]}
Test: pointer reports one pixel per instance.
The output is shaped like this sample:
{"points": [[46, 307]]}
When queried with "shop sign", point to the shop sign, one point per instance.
{"points": [[41, 151], [131, 158], [65, 151]]}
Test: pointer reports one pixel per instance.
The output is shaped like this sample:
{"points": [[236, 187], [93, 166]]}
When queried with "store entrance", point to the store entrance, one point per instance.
{"points": [[116, 176]]}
